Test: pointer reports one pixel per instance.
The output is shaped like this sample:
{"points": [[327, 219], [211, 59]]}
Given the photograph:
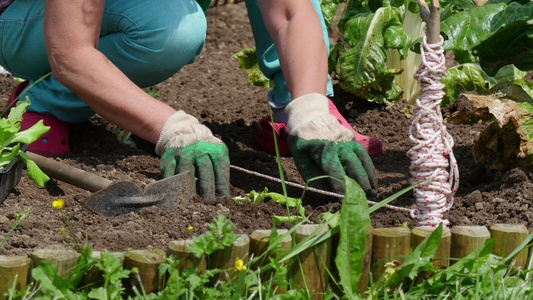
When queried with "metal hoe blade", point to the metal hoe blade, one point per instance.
{"points": [[124, 197], [113, 199]]}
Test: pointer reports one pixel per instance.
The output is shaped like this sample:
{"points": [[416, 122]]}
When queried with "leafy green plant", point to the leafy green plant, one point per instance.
{"points": [[11, 140], [113, 273], [354, 218], [218, 237], [494, 35], [248, 61], [379, 56], [369, 29], [491, 43], [255, 198], [47, 283]]}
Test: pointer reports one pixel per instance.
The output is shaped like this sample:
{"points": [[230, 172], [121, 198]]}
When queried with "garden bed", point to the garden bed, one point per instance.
{"points": [[385, 250], [220, 96]]}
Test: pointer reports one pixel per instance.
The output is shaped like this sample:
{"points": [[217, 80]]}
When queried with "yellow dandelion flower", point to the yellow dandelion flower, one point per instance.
{"points": [[190, 229], [58, 203], [239, 264]]}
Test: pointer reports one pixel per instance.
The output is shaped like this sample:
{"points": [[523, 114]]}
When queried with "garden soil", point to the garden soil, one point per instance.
{"points": [[213, 90]]}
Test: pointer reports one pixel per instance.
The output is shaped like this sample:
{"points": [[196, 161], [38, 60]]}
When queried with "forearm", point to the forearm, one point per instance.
{"points": [[71, 34], [108, 92], [295, 29]]}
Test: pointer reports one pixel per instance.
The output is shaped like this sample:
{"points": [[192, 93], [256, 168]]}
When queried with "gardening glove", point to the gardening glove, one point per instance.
{"points": [[186, 145], [320, 146]]}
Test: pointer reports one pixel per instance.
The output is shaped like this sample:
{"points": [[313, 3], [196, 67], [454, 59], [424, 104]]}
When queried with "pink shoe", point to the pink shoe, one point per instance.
{"points": [[372, 145], [265, 139], [52, 143]]}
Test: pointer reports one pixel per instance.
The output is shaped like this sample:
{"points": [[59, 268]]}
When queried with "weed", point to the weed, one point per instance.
{"points": [[71, 240]]}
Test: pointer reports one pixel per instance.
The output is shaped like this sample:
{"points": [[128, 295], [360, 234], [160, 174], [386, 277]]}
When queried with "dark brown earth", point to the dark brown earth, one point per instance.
{"points": [[213, 90]]}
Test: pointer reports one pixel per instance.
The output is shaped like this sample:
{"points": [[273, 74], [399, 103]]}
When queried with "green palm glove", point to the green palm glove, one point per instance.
{"points": [[186, 145], [320, 146]]}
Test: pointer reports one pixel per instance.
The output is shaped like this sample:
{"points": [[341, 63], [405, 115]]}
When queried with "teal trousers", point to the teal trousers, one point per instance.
{"points": [[148, 40], [267, 55]]}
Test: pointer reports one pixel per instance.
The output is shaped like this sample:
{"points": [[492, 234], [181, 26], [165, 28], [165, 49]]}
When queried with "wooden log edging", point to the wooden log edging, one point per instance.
{"points": [[383, 245]]}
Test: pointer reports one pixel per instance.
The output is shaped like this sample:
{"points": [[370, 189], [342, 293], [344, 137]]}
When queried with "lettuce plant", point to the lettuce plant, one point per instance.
{"points": [[377, 36], [378, 58], [493, 44], [494, 35], [248, 61], [11, 139]]}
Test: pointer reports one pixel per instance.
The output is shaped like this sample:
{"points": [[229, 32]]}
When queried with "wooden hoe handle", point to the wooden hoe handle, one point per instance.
{"points": [[77, 177]]}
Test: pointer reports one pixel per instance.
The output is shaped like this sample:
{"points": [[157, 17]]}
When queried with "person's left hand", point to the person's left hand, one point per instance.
{"points": [[186, 145], [320, 146]]}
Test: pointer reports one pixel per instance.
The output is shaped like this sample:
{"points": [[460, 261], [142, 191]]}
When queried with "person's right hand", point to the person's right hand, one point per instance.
{"points": [[320, 146], [186, 145]]}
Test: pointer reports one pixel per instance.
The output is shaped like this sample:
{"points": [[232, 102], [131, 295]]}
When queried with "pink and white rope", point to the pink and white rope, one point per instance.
{"points": [[431, 156]]}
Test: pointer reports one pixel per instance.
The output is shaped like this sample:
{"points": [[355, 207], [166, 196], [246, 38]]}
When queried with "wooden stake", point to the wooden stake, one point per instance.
{"points": [[442, 256], [180, 249], [529, 264], [224, 259], [310, 270], [362, 285], [466, 239], [259, 240], [63, 259], [144, 264], [386, 244], [12, 267], [508, 238]]}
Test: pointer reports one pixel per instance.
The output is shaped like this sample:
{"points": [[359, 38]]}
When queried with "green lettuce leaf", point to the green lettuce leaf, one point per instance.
{"points": [[500, 34], [471, 77], [34, 173], [363, 70], [11, 139], [248, 61]]}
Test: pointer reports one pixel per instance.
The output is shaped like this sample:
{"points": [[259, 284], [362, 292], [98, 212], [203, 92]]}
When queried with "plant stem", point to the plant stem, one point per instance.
{"points": [[278, 160]]}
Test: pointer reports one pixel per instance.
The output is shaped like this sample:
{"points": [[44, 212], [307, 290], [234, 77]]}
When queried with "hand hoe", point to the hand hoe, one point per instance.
{"points": [[122, 197]]}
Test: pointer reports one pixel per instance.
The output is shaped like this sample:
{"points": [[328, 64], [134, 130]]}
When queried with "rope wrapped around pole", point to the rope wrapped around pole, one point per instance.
{"points": [[431, 157]]}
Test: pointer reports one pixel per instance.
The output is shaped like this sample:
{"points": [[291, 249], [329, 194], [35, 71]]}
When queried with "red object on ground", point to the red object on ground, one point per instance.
{"points": [[265, 138], [372, 145], [52, 143]]}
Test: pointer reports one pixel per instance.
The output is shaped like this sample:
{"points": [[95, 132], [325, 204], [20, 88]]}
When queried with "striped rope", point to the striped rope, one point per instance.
{"points": [[432, 155]]}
